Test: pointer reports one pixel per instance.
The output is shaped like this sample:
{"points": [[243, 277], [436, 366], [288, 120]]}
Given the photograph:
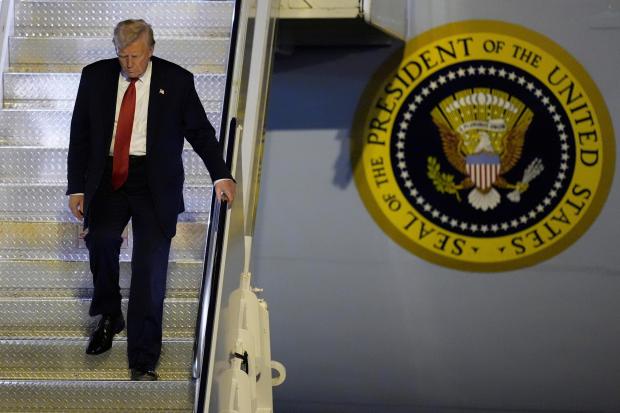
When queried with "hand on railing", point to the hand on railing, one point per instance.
{"points": [[225, 191]]}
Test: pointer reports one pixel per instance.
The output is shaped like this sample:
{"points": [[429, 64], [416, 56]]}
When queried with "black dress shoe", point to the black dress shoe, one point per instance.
{"points": [[143, 375], [101, 339]]}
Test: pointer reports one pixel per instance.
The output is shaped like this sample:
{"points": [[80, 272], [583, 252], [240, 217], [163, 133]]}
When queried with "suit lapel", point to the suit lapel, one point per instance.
{"points": [[155, 103], [108, 102]]}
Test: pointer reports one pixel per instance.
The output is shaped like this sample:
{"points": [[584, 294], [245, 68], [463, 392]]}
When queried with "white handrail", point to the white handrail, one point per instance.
{"points": [[210, 258], [6, 30], [260, 63]]}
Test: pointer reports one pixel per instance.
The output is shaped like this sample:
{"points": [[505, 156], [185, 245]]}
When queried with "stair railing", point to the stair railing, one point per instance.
{"points": [[6, 30], [249, 67], [215, 234]]}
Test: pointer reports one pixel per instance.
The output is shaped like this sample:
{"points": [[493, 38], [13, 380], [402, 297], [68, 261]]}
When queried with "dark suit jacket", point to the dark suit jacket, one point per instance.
{"points": [[173, 115]]}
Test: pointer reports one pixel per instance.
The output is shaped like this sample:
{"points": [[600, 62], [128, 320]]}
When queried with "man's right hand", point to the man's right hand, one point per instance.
{"points": [[76, 205]]}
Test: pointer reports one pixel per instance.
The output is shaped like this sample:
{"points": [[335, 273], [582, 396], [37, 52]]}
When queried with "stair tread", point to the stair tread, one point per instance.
{"points": [[82, 255], [45, 127], [65, 359], [63, 238], [74, 51], [96, 395], [68, 317], [67, 217], [64, 86], [31, 164], [87, 18], [77, 68], [48, 292], [73, 279]]}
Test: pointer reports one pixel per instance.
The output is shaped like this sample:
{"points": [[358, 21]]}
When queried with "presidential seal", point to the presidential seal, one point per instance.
{"points": [[486, 147]]}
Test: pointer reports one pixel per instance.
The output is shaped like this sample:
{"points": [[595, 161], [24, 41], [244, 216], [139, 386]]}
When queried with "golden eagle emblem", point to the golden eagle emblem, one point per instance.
{"points": [[482, 135]]}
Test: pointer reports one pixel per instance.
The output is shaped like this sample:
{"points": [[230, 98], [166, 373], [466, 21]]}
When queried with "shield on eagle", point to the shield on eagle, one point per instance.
{"points": [[483, 169]]}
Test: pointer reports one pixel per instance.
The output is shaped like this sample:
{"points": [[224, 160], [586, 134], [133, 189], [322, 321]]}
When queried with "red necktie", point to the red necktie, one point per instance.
{"points": [[120, 162]]}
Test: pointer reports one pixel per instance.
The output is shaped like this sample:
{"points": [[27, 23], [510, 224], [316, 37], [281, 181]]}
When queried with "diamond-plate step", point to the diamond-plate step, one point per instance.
{"points": [[35, 202], [77, 68], [73, 279], [24, 104], [32, 165], [48, 128], [65, 359], [74, 51], [29, 104], [63, 238], [82, 255], [96, 396], [98, 18], [62, 87], [64, 317]]}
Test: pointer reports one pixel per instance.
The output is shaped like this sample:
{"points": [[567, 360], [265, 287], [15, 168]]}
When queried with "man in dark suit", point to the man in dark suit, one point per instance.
{"points": [[129, 122]]}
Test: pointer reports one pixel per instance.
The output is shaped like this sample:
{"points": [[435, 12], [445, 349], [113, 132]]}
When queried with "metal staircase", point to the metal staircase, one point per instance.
{"points": [[45, 283]]}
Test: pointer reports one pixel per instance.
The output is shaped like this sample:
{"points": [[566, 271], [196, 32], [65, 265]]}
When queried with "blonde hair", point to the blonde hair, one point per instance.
{"points": [[128, 31]]}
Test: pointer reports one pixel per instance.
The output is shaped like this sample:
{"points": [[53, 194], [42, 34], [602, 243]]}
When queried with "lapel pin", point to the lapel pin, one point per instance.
{"points": [[162, 92]]}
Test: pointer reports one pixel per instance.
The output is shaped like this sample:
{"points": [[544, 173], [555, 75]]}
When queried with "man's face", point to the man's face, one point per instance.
{"points": [[135, 58]]}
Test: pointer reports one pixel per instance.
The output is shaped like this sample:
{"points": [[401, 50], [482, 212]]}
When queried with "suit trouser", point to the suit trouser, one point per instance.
{"points": [[109, 214]]}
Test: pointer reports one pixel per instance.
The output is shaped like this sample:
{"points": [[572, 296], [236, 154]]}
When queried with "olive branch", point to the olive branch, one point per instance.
{"points": [[444, 183]]}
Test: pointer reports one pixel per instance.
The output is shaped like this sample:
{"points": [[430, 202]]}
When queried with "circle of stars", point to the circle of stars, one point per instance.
{"points": [[494, 228]]}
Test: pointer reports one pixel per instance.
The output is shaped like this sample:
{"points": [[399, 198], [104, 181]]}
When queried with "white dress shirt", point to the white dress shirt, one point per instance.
{"points": [[137, 144]]}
